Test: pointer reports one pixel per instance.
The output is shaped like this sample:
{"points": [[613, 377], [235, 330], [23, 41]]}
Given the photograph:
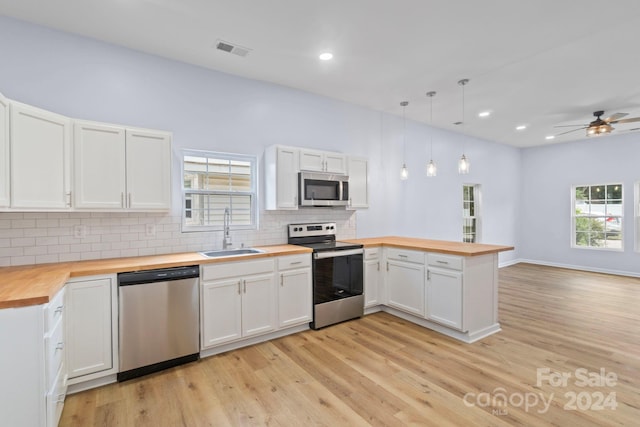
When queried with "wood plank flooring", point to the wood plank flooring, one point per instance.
{"points": [[383, 371]]}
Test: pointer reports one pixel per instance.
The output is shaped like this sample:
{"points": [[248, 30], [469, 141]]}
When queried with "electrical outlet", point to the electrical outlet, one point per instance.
{"points": [[150, 229], [79, 231]]}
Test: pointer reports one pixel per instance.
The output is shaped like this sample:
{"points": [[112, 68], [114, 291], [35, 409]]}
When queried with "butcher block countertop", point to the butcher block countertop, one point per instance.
{"points": [[440, 246], [35, 284]]}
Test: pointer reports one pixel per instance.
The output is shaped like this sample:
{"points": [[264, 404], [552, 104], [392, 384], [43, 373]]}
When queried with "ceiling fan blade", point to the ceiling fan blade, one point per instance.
{"points": [[572, 130], [629, 120], [569, 126], [615, 117]]}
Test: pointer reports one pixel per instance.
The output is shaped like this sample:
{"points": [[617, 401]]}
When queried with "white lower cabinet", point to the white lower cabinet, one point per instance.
{"points": [[405, 280], [295, 299], [372, 294], [32, 368], [92, 327], [235, 306], [444, 297]]}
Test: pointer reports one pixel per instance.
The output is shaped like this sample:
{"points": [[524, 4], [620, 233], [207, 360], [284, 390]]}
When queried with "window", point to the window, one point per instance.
{"points": [[214, 182], [597, 216], [470, 213]]}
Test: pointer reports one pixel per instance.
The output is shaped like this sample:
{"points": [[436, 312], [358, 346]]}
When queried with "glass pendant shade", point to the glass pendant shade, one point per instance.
{"points": [[463, 165], [432, 170], [404, 172]]}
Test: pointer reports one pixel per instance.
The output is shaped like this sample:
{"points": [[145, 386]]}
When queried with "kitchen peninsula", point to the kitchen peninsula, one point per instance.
{"points": [[449, 287]]}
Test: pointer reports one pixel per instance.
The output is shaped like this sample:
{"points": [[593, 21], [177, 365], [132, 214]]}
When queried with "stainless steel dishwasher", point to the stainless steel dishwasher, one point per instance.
{"points": [[159, 322]]}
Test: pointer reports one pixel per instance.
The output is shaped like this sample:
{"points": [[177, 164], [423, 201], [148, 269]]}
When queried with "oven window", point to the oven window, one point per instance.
{"points": [[336, 278]]}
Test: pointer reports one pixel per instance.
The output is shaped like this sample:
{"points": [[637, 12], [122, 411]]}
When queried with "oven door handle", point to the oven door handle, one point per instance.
{"points": [[334, 254]]}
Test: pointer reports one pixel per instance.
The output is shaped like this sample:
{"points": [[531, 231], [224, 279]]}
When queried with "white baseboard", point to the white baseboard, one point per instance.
{"points": [[572, 267]]}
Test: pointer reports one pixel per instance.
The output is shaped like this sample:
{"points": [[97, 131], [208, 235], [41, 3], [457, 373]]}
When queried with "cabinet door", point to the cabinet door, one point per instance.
{"points": [[99, 166], [444, 297], [405, 287], [335, 163], [4, 152], [294, 297], [287, 178], [358, 184], [221, 314], [89, 321], [40, 158], [312, 160], [371, 283], [258, 304], [148, 170]]}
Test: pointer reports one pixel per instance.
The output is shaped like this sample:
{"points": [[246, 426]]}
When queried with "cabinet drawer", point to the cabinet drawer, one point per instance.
{"points": [[372, 253], [445, 261], [53, 311], [294, 261], [235, 269], [416, 257], [54, 353], [55, 398]]}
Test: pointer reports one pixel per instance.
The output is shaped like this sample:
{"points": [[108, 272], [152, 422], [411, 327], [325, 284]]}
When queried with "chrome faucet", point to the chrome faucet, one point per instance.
{"points": [[226, 240]]}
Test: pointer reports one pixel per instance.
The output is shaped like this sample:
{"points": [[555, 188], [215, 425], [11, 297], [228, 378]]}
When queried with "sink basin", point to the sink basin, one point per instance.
{"points": [[231, 252]]}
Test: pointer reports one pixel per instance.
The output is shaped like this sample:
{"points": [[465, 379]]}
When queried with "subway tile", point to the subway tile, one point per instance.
{"points": [[22, 242], [23, 260], [47, 223], [42, 259], [59, 249], [23, 223], [71, 256], [35, 250]]}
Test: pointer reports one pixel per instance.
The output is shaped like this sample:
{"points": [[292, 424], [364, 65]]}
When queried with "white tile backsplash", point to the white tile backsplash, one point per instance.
{"points": [[36, 238]]}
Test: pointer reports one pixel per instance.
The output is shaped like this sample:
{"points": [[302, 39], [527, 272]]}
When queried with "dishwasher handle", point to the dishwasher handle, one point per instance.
{"points": [[158, 275]]}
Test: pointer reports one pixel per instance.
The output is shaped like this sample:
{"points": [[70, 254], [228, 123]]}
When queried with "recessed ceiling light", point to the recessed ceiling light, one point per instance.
{"points": [[521, 127], [484, 114], [326, 56], [549, 137]]}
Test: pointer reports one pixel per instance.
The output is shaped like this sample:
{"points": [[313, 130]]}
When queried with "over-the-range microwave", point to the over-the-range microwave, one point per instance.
{"points": [[322, 189]]}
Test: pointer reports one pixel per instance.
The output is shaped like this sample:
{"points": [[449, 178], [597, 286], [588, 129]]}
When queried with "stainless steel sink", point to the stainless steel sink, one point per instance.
{"points": [[231, 252]]}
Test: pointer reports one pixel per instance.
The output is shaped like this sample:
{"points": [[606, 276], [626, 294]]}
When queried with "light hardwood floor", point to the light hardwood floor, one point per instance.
{"points": [[381, 370]]}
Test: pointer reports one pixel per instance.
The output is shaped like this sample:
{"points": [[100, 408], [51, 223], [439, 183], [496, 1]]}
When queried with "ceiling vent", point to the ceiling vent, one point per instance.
{"points": [[232, 48]]}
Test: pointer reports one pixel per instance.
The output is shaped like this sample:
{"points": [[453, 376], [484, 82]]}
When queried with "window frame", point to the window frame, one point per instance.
{"points": [[252, 193], [477, 202], [636, 215], [574, 216]]}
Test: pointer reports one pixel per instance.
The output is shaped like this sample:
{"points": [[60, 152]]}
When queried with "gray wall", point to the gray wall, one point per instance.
{"points": [[204, 109], [549, 172]]}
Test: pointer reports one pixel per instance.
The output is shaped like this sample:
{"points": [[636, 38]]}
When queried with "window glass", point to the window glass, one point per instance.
{"points": [[470, 220], [597, 216], [214, 182]]}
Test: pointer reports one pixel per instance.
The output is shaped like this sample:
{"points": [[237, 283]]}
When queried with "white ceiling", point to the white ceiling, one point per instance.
{"points": [[540, 63]]}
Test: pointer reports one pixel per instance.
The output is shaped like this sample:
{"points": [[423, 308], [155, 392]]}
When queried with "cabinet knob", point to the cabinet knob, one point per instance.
{"points": [[60, 346], [59, 309]]}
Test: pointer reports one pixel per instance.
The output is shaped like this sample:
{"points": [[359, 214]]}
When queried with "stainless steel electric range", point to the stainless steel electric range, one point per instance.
{"points": [[337, 273]]}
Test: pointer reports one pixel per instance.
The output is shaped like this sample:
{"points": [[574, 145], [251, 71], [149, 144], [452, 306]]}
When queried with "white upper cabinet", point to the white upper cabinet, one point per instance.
{"points": [[322, 161], [4, 152], [99, 166], [148, 170], [358, 183], [281, 178], [118, 168], [40, 158]]}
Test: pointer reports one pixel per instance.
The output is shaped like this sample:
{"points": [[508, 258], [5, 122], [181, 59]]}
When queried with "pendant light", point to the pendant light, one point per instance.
{"points": [[431, 166], [463, 163], [404, 172]]}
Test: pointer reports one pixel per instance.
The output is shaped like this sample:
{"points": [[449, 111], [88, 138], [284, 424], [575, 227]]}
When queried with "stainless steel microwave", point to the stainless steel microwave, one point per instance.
{"points": [[322, 189]]}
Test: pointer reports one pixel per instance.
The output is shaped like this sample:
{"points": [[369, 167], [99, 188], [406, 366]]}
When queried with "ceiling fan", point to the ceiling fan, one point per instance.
{"points": [[601, 126]]}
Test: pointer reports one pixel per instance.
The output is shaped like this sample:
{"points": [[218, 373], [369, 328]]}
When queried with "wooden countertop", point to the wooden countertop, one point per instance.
{"points": [[36, 284], [440, 246]]}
